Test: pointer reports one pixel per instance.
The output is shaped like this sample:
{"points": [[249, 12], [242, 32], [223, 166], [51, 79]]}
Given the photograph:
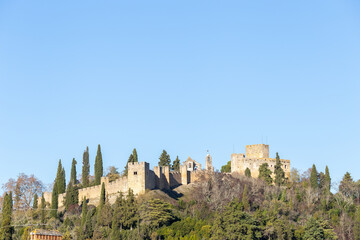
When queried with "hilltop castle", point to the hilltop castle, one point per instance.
{"points": [[140, 177], [254, 157]]}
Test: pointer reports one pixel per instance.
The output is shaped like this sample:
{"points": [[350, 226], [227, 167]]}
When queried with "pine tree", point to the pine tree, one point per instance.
{"points": [[247, 172], [98, 166], [357, 224], [279, 172], [245, 200], [314, 178], [327, 180], [164, 159], [83, 212], [42, 213], [265, 173], [7, 229], [135, 156], [176, 164], [85, 168], [73, 172], [35, 201], [54, 202]]}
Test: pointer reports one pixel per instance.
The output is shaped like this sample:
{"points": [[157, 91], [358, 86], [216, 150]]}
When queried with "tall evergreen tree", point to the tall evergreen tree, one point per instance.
{"points": [[135, 156], [42, 213], [54, 202], [72, 195], [99, 171], [7, 229], [85, 168], [265, 173], [327, 180], [279, 172], [83, 212], [73, 172], [314, 178], [102, 196], [35, 201], [164, 159], [176, 164], [60, 181], [247, 172]]}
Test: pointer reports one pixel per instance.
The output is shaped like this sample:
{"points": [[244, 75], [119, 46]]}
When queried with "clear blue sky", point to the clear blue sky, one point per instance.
{"points": [[184, 76]]}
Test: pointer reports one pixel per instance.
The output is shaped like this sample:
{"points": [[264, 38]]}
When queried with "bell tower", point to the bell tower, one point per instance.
{"points": [[208, 163]]}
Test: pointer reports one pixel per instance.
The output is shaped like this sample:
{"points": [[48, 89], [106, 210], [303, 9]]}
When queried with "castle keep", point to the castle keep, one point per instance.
{"points": [[140, 177], [254, 157]]}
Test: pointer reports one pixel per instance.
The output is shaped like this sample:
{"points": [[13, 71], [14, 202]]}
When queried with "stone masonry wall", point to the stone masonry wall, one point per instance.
{"points": [[257, 151]]}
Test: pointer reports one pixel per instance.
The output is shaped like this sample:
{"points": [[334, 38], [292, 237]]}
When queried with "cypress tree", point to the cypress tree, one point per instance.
{"points": [[83, 212], [85, 168], [7, 230], [60, 181], [42, 213], [279, 172], [176, 164], [135, 156], [72, 195], [98, 166], [327, 180], [54, 202], [357, 224], [247, 172], [102, 196], [73, 172], [35, 201], [245, 200], [314, 178], [265, 173], [164, 159]]}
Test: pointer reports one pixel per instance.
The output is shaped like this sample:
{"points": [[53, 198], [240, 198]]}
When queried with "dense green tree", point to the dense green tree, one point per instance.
{"points": [[54, 201], [247, 172], [83, 211], [226, 168], [156, 213], [102, 196], [132, 158], [346, 186], [357, 224], [164, 159], [314, 178], [7, 230], [234, 223], [85, 168], [176, 164], [265, 173], [327, 180], [279, 172], [72, 195], [318, 229], [73, 172], [42, 213], [135, 155], [99, 170], [60, 181], [35, 201]]}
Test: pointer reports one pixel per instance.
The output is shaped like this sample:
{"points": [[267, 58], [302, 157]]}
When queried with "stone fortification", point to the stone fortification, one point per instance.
{"points": [[139, 178], [255, 156]]}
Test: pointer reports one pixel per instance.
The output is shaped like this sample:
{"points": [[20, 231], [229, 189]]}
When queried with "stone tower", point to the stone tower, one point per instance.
{"points": [[208, 163]]}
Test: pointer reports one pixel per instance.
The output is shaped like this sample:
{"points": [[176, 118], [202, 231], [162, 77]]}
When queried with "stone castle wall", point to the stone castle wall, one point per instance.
{"points": [[255, 156]]}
